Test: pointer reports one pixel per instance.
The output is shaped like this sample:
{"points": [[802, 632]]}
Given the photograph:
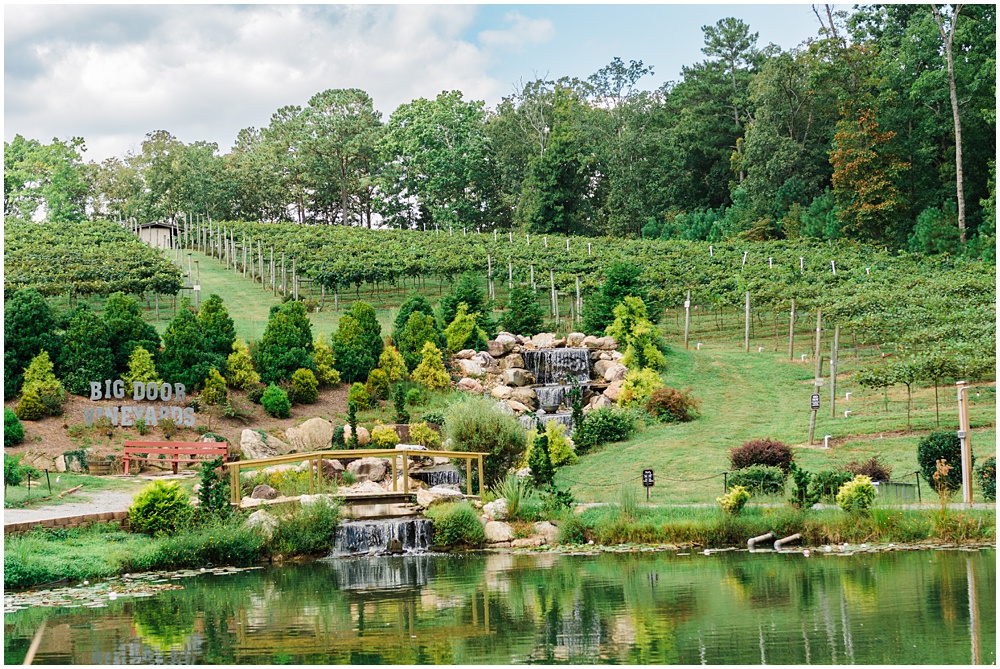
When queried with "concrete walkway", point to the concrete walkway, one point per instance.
{"points": [[99, 502]]}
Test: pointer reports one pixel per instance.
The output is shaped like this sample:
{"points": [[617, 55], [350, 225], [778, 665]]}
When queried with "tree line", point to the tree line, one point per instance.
{"points": [[852, 134]]}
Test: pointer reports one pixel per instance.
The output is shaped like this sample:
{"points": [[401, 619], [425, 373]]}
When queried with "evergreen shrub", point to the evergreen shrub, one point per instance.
{"points": [[275, 402], [162, 507]]}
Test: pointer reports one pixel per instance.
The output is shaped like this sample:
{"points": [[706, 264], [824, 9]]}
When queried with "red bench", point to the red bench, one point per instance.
{"points": [[173, 450]]}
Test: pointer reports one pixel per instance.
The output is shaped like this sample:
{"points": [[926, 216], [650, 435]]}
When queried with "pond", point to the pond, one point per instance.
{"points": [[897, 607]]}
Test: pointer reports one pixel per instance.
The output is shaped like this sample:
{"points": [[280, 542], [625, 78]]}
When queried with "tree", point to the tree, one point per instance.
{"points": [[463, 333], [364, 313], [523, 315], [86, 353], [420, 328], [431, 372], [186, 358], [127, 330], [242, 375], [218, 328], [45, 180], [392, 363], [352, 355], [28, 327], [948, 36], [414, 302], [467, 290], [542, 471], [214, 389], [326, 372], [141, 368], [42, 393], [287, 343], [633, 328], [620, 280]]}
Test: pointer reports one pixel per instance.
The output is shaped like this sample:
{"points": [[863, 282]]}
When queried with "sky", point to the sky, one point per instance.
{"points": [[112, 73]]}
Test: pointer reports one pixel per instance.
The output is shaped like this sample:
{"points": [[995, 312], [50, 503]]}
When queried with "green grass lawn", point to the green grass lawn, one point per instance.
{"points": [[20, 497]]}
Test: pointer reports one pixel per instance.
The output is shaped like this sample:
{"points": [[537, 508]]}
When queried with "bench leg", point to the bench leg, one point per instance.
{"points": [[125, 459]]}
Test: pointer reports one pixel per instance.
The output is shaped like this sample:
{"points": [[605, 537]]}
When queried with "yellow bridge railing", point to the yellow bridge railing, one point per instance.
{"points": [[315, 459]]}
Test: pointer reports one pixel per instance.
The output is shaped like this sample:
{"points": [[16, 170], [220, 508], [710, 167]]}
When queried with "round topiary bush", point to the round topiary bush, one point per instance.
{"points": [[384, 436], [456, 524], [941, 446], [305, 386], [857, 495], [275, 402], [734, 500], [767, 452], [359, 395], [162, 507], [13, 431]]}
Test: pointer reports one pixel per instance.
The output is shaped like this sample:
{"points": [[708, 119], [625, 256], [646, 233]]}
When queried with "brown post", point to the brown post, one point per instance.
{"points": [[834, 353], [687, 318], [746, 325], [468, 476], [480, 463], [791, 332]]}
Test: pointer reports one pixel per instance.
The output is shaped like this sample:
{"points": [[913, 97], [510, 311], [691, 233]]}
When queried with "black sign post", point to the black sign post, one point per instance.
{"points": [[814, 402], [647, 481]]}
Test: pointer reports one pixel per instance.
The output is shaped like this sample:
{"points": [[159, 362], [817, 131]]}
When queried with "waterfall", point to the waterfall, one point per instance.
{"points": [[558, 365], [362, 537], [383, 572], [433, 476], [563, 417]]}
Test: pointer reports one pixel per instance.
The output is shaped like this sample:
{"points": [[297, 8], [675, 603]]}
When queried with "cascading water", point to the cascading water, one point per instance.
{"points": [[561, 417], [558, 365], [363, 537], [432, 476]]}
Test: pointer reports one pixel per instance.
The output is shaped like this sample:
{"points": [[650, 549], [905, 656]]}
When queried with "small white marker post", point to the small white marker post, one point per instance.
{"points": [[833, 266], [567, 243], [770, 263], [803, 358], [801, 266], [745, 257], [847, 395], [868, 270], [494, 235], [698, 348], [527, 239], [588, 249], [846, 413], [545, 240], [760, 349], [826, 441], [710, 253], [510, 237]]}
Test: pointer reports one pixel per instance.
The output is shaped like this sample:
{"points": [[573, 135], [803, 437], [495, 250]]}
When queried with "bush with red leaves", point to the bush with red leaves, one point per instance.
{"points": [[761, 452], [669, 405]]}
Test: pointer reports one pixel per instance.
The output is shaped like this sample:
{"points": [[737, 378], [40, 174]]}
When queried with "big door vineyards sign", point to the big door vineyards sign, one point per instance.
{"points": [[141, 392]]}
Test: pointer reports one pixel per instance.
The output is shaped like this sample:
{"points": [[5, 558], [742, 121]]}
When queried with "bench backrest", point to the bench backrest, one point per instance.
{"points": [[177, 447]]}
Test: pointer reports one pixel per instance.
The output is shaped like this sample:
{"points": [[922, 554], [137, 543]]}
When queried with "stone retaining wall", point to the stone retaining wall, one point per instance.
{"points": [[68, 521]]}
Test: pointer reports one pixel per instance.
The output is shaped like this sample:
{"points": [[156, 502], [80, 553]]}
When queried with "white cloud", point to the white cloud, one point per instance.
{"points": [[522, 32]]}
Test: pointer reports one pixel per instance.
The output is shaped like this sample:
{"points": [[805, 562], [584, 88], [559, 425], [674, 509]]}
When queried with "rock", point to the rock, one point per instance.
{"points": [[617, 355], [525, 396], [613, 391], [606, 355], [470, 385], [411, 447], [255, 445], [395, 546], [362, 487], [72, 464], [607, 343], [600, 401], [264, 521], [590, 341], [60, 463], [470, 367], [514, 360], [438, 460], [501, 392], [437, 495], [369, 469], [40, 461], [516, 406], [559, 343], [544, 340], [497, 531], [527, 542], [486, 361], [264, 492], [495, 510], [495, 349], [602, 366], [575, 339], [616, 372], [364, 436], [516, 377], [309, 500], [274, 469], [465, 354], [547, 531], [524, 472], [507, 340], [316, 434], [331, 468]]}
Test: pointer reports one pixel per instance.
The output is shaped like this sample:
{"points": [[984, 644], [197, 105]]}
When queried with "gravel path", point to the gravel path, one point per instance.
{"points": [[104, 501]]}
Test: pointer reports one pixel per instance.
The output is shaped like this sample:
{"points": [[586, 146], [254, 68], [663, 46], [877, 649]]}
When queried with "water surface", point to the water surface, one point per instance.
{"points": [[912, 607]]}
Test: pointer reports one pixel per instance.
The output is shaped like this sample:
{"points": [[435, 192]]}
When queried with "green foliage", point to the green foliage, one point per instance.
{"points": [[28, 328], [603, 426], [364, 313], [14, 472], [456, 524], [620, 279], [463, 332], [760, 479], [214, 389], [825, 484], [523, 315], [141, 368], [242, 375], [561, 447], [803, 496], [162, 507], [421, 433], [477, 424], [392, 363], [352, 422], [857, 495], [431, 372], [468, 292], [213, 497], [186, 358], [358, 395], [127, 330], [419, 329], [986, 475], [352, 356], [306, 529], [941, 446], [734, 500], [275, 402], [413, 303], [518, 492], [287, 343], [669, 405], [42, 394], [414, 397], [305, 387], [384, 436], [542, 471], [874, 468], [13, 431], [399, 404], [633, 329], [935, 232], [86, 353], [639, 386], [256, 393], [326, 363], [377, 385], [216, 326]]}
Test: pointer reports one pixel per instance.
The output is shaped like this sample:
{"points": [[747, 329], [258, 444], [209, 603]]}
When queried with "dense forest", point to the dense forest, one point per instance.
{"points": [[850, 135]]}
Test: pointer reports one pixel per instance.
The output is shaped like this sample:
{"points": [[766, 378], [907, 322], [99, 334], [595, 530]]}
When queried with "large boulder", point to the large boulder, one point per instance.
{"points": [[465, 354], [495, 510], [330, 469], [507, 341], [264, 521], [437, 495], [495, 349], [364, 436], [516, 377], [607, 343], [501, 392], [616, 372], [361, 487], [516, 406], [511, 361], [469, 367], [256, 445], [486, 361], [264, 492], [369, 469], [316, 434], [599, 402], [40, 461], [497, 531], [613, 390], [525, 396], [544, 340], [602, 366], [470, 385], [575, 339], [547, 531], [590, 341]]}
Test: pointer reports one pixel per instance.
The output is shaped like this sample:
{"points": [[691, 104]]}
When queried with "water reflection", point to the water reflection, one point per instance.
{"points": [[637, 608]]}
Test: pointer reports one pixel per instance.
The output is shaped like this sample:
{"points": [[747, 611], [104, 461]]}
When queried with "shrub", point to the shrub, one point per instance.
{"points": [[802, 497], [86, 353], [371, 331], [162, 507], [463, 332], [384, 436], [141, 427], [456, 524], [239, 365], [517, 491], [430, 372], [413, 303], [28, 328], [217, 326], [572, 530], [256, 393], [186, 357], [30, 407], [421, 434], [305, 387], [399, 404], [287, 343], [542, 470], [352, 356], [414, 397], [213, 497], [874, 469], [561, 447], [467, 291], [734, 500], [13, 471], [633, 329], [352, 422], [986, 475], [220, 542], [435, 417], [358, 394], [141, 368], [392, 363], [602, 426], [761, 452], [760, 479], [167, 426], [825, 484], [326, 363], [214, 391], [338, 437], [941, 446], [42, 394], [669, 405], [275, 402], [639, 386], [523, 315], [419, 329], [620, 279], [306, 530], [857, 495], [477, 424], [13, 431], [378, 385]]}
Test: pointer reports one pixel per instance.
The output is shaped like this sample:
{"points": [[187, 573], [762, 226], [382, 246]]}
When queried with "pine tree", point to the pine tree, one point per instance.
{"points": [[542, 470], [242, 375], [467, 290], [463, 332], [352, 356], [419, 329], [287, 343], [392, 363], [399, 404], [185, 358], [86, 353], [352, 420], [412, 303], [217, 326], [141, 368], [127, 330], [524, 314], [326, 363], [214, 389], [28, 327], [431, 372], [371, 331]]}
